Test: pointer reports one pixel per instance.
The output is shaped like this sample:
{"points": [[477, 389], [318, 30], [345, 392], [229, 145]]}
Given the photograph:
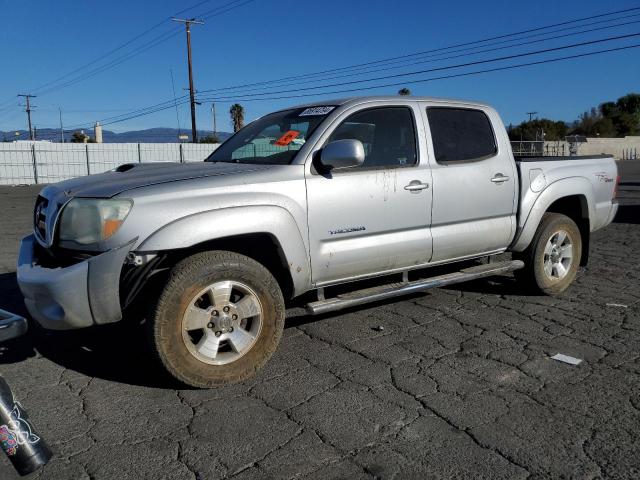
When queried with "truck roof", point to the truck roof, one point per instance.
{"points": [[361, 99]]}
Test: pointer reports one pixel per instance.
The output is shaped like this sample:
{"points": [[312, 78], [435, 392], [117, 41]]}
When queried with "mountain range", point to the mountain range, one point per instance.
{"points": [[150, 135]]}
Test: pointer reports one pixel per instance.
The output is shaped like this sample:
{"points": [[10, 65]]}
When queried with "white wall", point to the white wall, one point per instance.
{"points": [[618, 147], [60, 161]]}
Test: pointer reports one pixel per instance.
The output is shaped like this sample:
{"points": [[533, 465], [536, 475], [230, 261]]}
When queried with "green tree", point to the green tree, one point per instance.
{"points": [[237, 116], [533, 130], [630, 103], [210, 139], [585, 123], [603, 127], [404, 91], [608, 109], [611, 119], [627, 117], [81, 137]]}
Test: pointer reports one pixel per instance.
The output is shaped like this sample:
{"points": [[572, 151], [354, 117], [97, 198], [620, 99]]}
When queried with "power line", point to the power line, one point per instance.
{"points": [[502, 42], [152, 108], [116, 49], [440, 49], [143, 48], [420, 62], [425, 80], [467, 64], [139, 112], [123, 45], [226, 7], [161, 105], [396, 84], [235, 4], [117, 61], [209, 14]]}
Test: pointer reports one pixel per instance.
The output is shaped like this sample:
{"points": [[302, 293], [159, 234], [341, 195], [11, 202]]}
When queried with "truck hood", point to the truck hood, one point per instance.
{"points": [[135, 175]]}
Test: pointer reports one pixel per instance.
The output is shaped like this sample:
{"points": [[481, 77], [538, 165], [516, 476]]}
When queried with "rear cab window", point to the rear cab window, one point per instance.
{"points": [[461, 134]]}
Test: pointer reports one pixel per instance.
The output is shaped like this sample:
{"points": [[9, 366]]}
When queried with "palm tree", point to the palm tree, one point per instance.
{"points": [[404, 91], [237, 116]]}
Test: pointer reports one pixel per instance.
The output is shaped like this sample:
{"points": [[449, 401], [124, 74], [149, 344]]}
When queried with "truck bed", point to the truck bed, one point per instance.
{"points": [[543, 158], [591, 179]]}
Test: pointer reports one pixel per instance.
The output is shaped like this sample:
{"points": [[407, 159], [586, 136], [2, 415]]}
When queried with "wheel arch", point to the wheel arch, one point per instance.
{"points": [[577, 209], [572, 197], [268, 234], [263, 247]]}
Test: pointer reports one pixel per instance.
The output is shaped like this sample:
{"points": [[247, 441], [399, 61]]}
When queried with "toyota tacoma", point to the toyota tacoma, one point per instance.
{"points": [[356, 200]]}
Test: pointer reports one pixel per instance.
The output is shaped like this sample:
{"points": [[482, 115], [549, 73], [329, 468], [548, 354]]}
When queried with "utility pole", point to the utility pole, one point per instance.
{"points": [[61, 128], [531, 114], [175, 103], [28, 97], [213, 113], [187, 25]]}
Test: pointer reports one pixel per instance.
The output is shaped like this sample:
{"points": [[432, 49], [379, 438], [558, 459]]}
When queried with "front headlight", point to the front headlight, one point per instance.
{"points": [[90, 220]]}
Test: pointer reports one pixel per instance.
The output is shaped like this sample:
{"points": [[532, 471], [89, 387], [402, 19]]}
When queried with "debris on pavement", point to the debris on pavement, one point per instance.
{"points": [[378, 328], [621, 305], [566, 359]]}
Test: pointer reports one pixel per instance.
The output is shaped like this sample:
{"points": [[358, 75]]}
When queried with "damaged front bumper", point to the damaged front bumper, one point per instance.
{"points": [[76, 296]]}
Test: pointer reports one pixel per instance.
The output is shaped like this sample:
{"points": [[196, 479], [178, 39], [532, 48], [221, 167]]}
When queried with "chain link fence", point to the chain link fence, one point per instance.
{"points": [[527, 148], [27, 163]]}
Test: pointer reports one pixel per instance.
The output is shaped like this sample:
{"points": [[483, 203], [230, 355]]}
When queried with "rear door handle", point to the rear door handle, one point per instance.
{"points": [[499, 178], [415, 186]]}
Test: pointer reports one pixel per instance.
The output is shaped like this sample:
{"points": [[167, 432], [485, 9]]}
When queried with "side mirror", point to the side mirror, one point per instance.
{"points": [[342, 154]]}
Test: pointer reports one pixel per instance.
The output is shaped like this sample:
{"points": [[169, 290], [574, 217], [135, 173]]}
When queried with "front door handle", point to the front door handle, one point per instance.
{"points": [[499, 178], [415, 186]]}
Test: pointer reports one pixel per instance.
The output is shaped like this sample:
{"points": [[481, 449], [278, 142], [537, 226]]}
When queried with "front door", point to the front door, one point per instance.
{"points": [[373, 218]]}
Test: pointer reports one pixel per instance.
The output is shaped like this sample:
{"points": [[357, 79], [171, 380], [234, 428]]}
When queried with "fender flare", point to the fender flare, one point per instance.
{"points": [[566, 187], [232, 221]]}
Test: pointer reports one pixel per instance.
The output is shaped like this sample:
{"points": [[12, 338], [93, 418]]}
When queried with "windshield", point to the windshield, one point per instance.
{"points": [[273, 139]]}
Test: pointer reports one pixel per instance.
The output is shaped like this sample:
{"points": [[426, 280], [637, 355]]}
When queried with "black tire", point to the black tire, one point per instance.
{"points": [[188, 278], [533, 275]]}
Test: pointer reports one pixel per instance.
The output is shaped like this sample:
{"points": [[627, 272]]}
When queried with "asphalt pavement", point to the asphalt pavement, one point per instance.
{"points": [[458, 384]]}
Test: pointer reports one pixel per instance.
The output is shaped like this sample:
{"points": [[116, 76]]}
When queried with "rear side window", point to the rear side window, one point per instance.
{"points": [[460, 134]]}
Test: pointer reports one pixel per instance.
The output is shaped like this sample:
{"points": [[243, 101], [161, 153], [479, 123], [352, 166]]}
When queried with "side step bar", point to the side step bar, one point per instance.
{"points": [[397, 289]]}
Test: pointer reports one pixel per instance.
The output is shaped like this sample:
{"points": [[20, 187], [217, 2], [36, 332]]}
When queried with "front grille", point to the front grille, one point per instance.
{"points": [[40, 217]]}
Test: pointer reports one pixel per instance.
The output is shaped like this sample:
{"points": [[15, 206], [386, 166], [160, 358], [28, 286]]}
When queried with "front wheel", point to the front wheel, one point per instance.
{"points": [[553, 257], [218, 320]]}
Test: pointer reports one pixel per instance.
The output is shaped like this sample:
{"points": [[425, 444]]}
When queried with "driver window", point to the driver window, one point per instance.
{"points": [[387, 134]]}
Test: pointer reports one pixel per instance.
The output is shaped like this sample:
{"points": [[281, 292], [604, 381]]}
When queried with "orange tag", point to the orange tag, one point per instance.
{"points": [[287, 138]]}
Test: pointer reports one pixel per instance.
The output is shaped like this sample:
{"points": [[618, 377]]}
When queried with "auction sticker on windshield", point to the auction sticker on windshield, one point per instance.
{"points": [[287, 138], [316, 111]]}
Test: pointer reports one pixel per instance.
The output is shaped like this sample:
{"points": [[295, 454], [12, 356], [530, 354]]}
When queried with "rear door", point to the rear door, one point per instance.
{"points": [[474, 182], [374, 218]]}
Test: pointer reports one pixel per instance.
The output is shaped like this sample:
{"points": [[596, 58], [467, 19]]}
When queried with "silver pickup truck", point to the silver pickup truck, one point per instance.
{"points": [[313, 198]]}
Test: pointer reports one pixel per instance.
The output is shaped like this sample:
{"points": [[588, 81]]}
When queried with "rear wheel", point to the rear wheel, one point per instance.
{"points": [[553, 257], [218, 320]]}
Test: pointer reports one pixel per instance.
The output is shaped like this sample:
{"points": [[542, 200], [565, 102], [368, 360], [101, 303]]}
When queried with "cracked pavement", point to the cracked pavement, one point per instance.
{"points": [[458, 384]]}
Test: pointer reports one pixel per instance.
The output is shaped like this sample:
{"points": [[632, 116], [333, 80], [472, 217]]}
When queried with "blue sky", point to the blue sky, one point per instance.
{"points": [[43, 40]]}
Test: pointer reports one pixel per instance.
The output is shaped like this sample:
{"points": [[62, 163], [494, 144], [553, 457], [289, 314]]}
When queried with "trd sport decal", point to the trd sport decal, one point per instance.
{"points": [[346, 230]]}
